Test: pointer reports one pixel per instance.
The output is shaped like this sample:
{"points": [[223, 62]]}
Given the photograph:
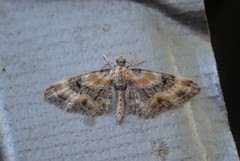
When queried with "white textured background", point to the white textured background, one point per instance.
{"points": [[42, 42]]}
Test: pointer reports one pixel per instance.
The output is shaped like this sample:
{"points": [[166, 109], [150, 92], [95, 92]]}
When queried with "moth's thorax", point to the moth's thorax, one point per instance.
{"points": [[121, 75], [120, 72]]}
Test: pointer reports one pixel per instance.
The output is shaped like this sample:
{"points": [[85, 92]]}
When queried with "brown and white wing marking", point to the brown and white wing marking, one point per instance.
{"points": [[90, 94], [151, 93]]}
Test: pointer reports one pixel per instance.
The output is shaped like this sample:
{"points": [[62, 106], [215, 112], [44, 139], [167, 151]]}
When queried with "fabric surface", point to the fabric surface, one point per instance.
{"points": [[42, 42]]}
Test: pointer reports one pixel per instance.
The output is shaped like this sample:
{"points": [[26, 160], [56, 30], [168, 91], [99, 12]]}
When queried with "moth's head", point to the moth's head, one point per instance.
{"points": [[121, 61]]}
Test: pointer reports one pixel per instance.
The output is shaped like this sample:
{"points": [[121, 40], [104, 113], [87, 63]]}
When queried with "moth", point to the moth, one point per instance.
{"points": [[146, 93]]}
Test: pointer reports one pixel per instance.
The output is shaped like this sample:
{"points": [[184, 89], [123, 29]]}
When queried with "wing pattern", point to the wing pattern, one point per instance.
{"points": [[90, 94], [151, 93]]}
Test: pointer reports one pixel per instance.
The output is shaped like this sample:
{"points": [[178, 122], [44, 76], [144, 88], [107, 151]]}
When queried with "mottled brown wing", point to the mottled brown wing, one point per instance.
{"points": [[151, 93], [90, 94]]}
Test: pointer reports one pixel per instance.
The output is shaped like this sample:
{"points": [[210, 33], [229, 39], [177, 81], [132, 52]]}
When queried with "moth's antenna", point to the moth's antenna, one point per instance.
{"points": [[109, 62], [135, 64]]}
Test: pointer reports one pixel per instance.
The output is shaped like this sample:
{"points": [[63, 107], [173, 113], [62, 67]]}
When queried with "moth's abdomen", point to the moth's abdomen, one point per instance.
{"points": [[120, 84], [120, 111]]}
